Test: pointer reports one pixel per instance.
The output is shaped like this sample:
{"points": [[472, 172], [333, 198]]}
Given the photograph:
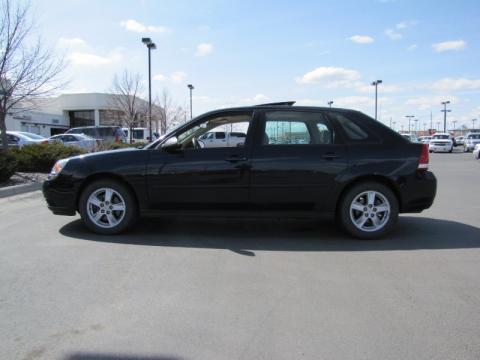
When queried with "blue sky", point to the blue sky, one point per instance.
{"points": [[247, 52]]}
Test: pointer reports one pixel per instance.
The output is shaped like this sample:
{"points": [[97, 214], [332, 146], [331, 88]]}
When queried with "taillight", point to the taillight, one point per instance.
{"points": [[117, 139], [424, 158]]}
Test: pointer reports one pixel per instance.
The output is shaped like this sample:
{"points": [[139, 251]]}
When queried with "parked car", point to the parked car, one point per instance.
{"points": [[349, 165], [476, 152], [424, 139], [471, 139], [107, 134], [139, 134], [411, 137], [441, 142], [221, 139], [460, 140], [20, 138], [80, 140]]}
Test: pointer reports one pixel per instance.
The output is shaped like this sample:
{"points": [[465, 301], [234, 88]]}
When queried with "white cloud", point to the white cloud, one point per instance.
{"points": [[393, 35], [361, 39], [204, 49], [404, 24], [455, 84], [178, 76], [135, 26], [427, 102], [159, 77], [412, 47], [330, 77], [88, 59], [453, 45], [67, 42]]}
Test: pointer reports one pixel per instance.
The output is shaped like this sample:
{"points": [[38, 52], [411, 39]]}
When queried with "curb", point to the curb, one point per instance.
{"points": [[19, 189]]}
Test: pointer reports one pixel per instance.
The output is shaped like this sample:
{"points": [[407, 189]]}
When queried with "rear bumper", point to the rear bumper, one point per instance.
{"points": [[61, 199], [418, 192]]}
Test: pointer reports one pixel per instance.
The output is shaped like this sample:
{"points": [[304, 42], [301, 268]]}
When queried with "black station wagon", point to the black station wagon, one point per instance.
{"points": [[294, 162]]}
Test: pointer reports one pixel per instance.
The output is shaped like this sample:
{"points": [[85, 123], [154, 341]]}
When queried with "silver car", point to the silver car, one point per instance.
{"points": [[80, 140], [471, 139]]}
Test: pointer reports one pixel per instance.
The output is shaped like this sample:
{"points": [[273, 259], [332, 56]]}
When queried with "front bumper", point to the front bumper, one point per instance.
{"points": [[440, 148], [61, 199]]}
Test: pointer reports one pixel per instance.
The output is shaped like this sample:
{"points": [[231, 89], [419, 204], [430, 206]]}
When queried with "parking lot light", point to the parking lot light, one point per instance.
{"points": [[445, 103], [376, 83]]}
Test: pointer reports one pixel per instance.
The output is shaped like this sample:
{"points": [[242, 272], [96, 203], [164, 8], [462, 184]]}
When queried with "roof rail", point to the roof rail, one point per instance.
{"points": [[283, 103]]}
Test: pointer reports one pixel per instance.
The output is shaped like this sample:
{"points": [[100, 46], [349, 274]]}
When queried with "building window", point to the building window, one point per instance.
{"points": [[111, 117], [82, 118]]}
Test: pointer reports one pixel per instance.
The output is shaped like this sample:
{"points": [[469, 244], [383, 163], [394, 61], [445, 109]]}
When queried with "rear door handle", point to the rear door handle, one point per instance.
{"points": [[236, 158], [330, 156]]}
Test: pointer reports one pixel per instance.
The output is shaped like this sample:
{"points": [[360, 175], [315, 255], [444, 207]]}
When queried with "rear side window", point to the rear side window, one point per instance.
{"points": [[296, 128], [352, 131], [220, 135]]}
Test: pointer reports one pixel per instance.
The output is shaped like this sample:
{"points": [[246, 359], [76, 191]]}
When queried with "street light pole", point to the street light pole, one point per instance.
{"points": [[190, 86], [150, 46], [409, 117], [376, 83], [473, 123], [445, 103], [454, 122], [416, 127], [438, 125], [393, 123], [330, 103]]}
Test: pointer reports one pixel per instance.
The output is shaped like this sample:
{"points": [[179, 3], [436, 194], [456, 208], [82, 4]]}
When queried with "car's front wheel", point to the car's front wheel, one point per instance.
{"points": [[368, 210], [107, 207]]}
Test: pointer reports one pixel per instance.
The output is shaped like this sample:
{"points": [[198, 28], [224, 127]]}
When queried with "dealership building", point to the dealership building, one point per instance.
{"points": [[56, 115]]}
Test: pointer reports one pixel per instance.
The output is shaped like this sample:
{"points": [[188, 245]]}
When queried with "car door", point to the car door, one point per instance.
{"points": [[201, 177], [297, 157]]}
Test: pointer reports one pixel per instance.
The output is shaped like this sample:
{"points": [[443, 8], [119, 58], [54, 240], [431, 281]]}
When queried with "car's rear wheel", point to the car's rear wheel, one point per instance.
{"points": [[368, 210], [107, 207]]}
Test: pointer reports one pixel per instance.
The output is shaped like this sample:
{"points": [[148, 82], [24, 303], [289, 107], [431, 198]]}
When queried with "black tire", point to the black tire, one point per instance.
{"points": [[343, 211], [130, 214]]}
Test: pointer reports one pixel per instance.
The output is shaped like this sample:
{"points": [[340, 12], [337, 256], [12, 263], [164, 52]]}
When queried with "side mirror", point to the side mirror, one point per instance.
{"points": [[171, 145]]}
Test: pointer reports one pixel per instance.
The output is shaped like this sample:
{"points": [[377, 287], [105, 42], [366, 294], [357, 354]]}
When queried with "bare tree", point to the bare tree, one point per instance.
{"points": [[27, 71], [167, 113], [126, 100]]}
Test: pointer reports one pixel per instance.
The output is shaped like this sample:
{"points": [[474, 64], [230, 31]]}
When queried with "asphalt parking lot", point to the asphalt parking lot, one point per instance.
{"points": [[270, 289]]}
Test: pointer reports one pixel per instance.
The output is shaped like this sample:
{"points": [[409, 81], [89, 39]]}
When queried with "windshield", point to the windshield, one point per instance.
{"points": [[474, 136], [443, 137]]}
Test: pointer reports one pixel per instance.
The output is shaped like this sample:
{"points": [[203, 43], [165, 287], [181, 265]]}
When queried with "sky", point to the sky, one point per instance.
{"points": [[249, 52]]}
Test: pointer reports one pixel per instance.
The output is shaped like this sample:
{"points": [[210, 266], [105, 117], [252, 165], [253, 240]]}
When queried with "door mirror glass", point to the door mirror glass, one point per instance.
{"points": [[171, 145]]}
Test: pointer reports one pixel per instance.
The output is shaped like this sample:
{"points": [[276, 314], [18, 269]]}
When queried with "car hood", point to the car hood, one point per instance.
{"points": [[105, 154]]}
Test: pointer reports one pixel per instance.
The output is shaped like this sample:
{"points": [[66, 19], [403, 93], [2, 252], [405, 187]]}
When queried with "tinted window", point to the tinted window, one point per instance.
{"points": [[474, 136], [351, 129], [220, 135]]}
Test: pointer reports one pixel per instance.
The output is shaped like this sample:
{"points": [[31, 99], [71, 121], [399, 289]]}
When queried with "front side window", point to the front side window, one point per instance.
{"points": [[296, 128], [216, 132]]}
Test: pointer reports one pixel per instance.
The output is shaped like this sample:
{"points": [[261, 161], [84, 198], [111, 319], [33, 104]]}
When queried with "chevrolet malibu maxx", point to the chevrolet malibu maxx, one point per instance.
{"points": [[294, 161]]}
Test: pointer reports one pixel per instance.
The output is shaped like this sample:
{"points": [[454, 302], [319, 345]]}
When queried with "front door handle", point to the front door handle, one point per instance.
{"points": [[236, 158]]}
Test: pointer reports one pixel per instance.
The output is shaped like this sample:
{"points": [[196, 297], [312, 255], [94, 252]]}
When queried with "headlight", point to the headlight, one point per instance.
{"points": [[57, 168]]}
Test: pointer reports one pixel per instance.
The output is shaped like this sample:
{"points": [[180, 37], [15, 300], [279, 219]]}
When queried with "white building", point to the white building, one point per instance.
{"points": [[56, 115]]}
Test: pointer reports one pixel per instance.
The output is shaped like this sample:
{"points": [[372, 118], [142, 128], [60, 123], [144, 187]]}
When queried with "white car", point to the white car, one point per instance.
{"points": [[80, 140], [425, 139], [139, 134], [441, 142], [476, 152], [222, 139], [471, 139], [21, 138]]}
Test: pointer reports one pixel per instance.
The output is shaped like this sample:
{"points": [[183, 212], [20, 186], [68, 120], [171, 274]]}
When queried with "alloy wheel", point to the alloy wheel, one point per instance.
{"points": [[370, 211]]}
